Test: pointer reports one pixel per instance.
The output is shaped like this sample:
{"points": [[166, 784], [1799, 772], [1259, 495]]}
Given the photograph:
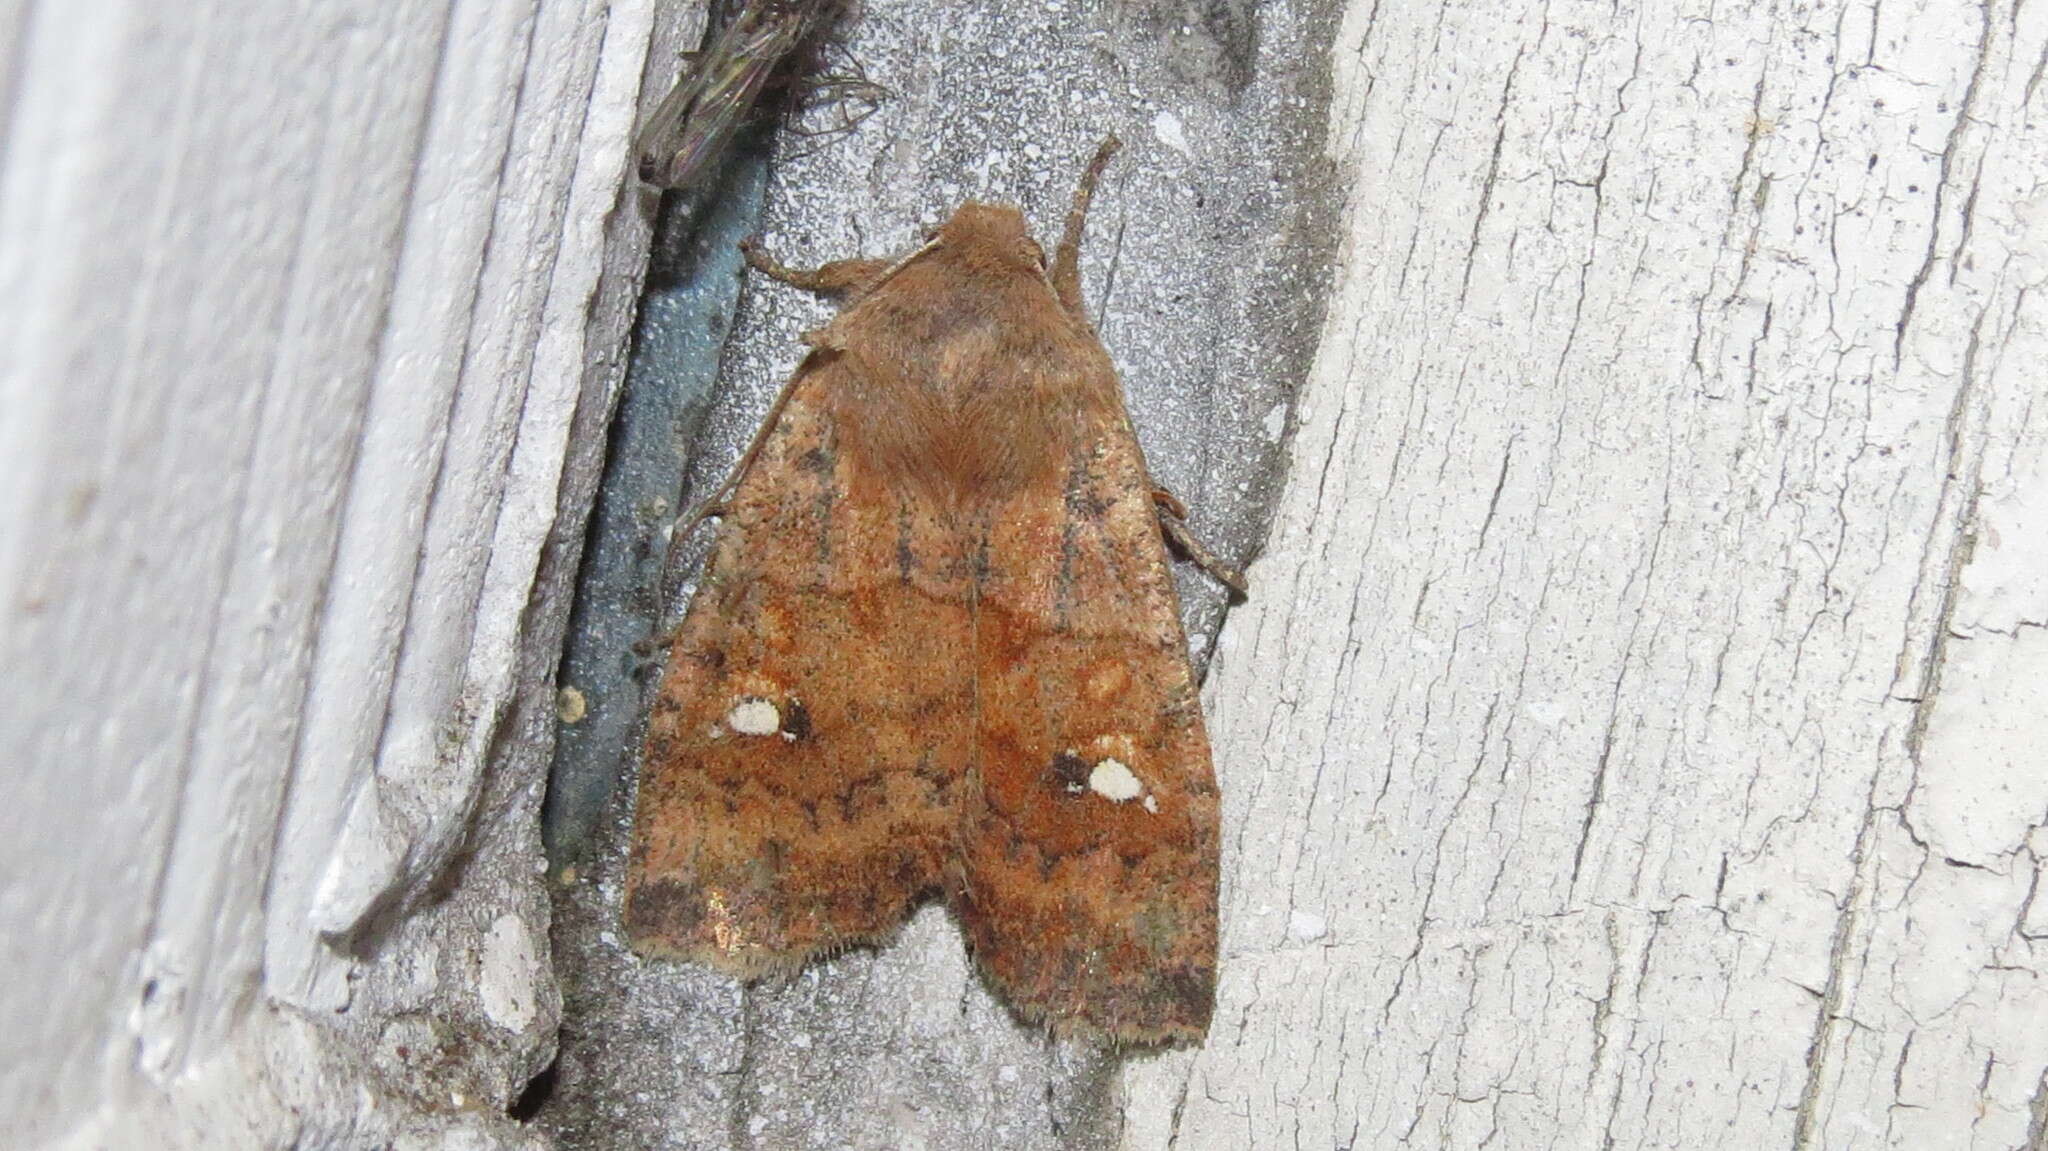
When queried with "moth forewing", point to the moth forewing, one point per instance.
{"points": [[941, 651]]}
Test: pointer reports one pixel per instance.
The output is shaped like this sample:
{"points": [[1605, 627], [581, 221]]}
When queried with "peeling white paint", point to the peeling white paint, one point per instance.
{"points": [[1306, 926], [277, 565], [505, 975], [1638, 682], [1275, 423], [1168, 129]]}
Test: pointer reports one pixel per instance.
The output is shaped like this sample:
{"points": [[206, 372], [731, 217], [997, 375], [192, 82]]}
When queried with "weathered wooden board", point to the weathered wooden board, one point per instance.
{"points": [[307, 329], [1636, 740], [1633, 738]]}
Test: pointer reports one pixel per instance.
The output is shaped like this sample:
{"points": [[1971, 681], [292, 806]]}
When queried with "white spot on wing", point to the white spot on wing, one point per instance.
{"points": [[1114, 782], [754, 716]]}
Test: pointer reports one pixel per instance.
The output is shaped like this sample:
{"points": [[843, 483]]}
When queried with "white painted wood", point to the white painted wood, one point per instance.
{"points": [[299, 312], [1634, 738]]}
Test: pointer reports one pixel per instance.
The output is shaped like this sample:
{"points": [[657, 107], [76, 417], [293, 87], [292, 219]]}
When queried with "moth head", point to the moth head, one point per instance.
{"points": [[992, 230]]}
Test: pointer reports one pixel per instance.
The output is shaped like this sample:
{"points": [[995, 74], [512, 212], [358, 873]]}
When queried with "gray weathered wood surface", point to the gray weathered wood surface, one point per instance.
{"points": [[1637, 740], [1634, 738], [307, 314]]}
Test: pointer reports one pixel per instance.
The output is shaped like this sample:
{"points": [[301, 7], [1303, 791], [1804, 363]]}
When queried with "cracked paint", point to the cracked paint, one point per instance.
{"points": [[1665, 774]]}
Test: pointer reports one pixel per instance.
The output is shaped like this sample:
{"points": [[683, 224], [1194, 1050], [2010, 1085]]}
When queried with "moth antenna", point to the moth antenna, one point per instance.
{"points": [[891, 269], [1164, 497], [715, 504], [1066, 264]]}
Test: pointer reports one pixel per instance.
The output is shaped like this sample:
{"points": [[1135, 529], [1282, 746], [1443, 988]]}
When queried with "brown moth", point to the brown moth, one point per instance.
{"points": [[938, 650]]}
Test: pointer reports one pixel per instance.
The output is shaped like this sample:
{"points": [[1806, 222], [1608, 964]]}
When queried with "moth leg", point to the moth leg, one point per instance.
{"points": [[1164, 498], [1173, 517], [833, 279], [715, 503], [830, 279], [1066, 261]]}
